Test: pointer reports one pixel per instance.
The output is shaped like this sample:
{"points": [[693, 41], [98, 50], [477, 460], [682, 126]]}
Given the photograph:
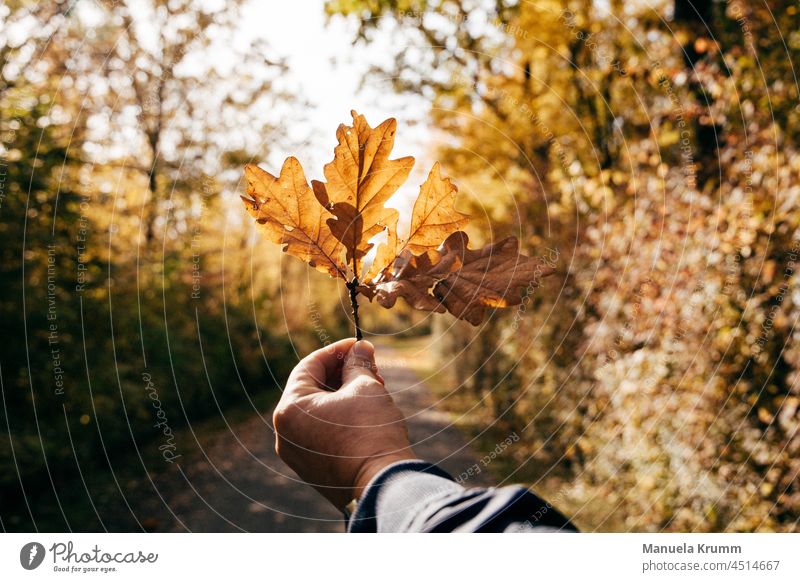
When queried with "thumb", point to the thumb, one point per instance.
{"points": [[360, 361]]}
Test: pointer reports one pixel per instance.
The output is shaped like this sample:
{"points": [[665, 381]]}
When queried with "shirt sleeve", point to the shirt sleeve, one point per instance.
{"points": [[416, 496]]}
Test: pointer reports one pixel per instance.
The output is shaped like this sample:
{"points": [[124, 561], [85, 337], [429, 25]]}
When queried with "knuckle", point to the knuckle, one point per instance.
{"points": [[282, 417]]}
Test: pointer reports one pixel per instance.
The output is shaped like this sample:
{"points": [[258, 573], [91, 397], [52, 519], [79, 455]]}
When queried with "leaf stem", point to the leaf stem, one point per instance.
{"points": [[353, 287]]}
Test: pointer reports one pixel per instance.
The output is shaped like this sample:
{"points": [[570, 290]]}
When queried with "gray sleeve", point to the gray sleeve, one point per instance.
{"points": [[415, 496]]}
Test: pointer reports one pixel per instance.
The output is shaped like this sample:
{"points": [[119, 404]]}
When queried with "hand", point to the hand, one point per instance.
{"points": [[336, 425]]}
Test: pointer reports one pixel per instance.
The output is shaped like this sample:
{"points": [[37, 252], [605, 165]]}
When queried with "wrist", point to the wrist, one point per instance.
{"points": [[375, 465], [394, 492]]}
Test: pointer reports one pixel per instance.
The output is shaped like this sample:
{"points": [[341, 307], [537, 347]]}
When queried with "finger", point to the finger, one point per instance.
{"points": [[319, 371], [360, 362]]}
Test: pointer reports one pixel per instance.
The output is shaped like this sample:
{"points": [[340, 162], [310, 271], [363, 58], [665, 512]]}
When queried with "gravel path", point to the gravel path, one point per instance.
{"points": [[238, 483]]}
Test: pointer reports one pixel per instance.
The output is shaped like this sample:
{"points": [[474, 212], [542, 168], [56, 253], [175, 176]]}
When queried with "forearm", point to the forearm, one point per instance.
{"points": [[415, 496]]}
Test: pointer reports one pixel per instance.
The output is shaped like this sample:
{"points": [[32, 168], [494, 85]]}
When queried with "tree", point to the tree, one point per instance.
{"points": [[176, 66], [99, 335], [651, 385]]}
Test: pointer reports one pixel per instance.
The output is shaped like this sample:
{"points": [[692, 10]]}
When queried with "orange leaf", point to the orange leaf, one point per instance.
{"points": [[290, 215], [433, 219], [360, 179]]}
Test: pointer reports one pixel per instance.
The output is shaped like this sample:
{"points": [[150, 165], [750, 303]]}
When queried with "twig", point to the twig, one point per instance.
{"points": [[353, 287]]}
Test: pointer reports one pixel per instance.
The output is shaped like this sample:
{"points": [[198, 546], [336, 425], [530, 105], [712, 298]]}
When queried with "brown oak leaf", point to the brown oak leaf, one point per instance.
{"points": [[290, 215], [465, 282]]}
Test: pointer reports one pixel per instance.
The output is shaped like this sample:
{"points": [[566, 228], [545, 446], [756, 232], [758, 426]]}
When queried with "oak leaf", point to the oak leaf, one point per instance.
{"points": [[463, 281], [433, 218], [330, 225], [360, 180], [290, 215]]}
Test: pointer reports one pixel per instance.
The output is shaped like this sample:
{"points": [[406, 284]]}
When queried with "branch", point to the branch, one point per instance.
{"points": [[353, 287]]}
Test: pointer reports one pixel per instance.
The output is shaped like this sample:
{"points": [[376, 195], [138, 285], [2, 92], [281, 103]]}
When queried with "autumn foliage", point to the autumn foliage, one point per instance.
{"points": [[655, 378], [331, 225]]}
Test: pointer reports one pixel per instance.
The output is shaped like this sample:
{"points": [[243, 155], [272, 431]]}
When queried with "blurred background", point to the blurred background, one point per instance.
{"points": [[649, 149]]}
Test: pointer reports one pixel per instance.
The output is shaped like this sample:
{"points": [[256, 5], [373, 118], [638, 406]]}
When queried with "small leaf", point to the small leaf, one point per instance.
{"points": [[413, 280], [433, 219]]}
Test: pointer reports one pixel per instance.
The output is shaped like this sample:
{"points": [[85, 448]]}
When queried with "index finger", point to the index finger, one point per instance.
{"points": [[319, 371]]}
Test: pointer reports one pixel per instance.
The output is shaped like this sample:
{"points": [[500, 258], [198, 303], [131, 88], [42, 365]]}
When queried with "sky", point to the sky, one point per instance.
{"points": [[328, 70]]}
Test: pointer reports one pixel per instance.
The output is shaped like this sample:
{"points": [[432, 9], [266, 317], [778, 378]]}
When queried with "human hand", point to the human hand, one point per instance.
{"points": [[336, 425]]}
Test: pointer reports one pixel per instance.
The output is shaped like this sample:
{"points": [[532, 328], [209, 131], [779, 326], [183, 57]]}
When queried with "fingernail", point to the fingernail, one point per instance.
{"points": [[363, 350]]}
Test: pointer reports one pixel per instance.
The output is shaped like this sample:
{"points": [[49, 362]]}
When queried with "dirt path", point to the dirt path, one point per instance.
{"points": [[238, 483]]}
